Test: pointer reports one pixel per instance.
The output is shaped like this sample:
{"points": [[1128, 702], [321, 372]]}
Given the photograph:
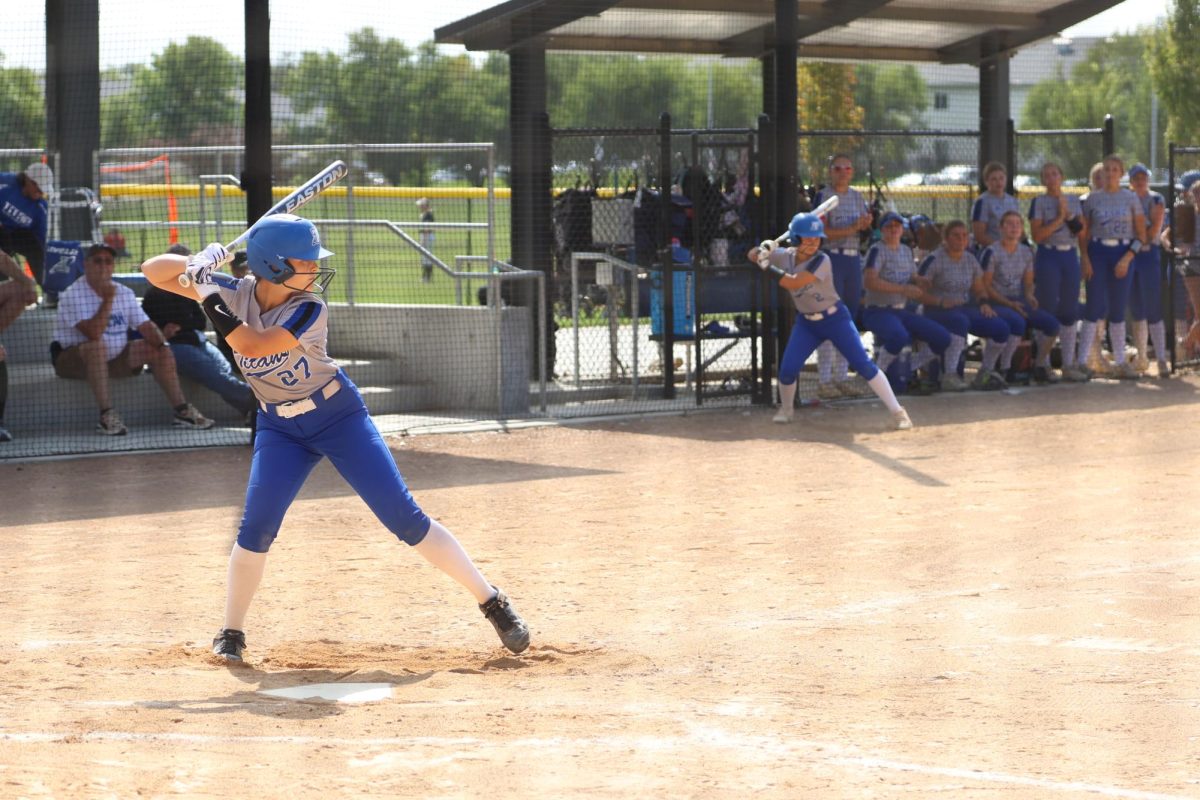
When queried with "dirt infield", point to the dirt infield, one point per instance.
{"points": [[1004, 602]]}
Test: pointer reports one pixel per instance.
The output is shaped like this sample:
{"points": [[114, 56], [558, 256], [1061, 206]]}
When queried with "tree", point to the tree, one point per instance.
{"points": [[188, 94], [1111, 79], [893, 98], [825, 101], [22, 107], [1174, 64]]}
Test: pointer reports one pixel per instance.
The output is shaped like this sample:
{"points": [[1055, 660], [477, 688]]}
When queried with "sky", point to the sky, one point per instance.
{"points": [[323, 25]]}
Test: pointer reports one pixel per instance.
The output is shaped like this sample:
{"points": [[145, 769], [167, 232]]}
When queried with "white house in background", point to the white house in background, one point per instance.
{"points": [[953, 89]]}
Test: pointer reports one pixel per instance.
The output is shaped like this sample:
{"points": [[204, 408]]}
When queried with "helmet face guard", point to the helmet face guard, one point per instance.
{"points": [[276, 240]]}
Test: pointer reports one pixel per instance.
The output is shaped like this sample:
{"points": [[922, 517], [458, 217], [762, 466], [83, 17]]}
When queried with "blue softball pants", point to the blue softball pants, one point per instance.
{"points": [[847, 279], [965, 319], [1107, 295], [340, 429], [1056, 277], [1146, 302], [895, 328], [808, 334]]}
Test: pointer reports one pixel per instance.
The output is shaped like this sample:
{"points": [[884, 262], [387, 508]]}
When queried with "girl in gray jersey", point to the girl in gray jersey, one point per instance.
{"points": [[990, 206], [1008, 275], [1146, 304], [1056, 226], [1115, 229], [277, 324], [843, 225]]}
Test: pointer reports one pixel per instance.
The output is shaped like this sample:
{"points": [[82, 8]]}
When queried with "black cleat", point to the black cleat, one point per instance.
{"points": [[229, 644], [507, 622]]}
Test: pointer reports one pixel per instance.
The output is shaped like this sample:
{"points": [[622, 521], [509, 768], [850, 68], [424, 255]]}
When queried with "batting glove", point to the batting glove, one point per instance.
{"points": [[201, 266], [766, 247]]}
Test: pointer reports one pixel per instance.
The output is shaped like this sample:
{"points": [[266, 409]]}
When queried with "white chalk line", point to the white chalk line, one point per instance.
{"points": [[750, 746]]}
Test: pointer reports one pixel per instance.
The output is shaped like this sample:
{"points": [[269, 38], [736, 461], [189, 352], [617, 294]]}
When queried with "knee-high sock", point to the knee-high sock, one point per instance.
{"points": [[825, 362], [1116, 336], [1141, 331], [841, 368], [991, 353], [1158, 334], [953, 353], [885, 359], [787, 396], [245, 573], [1067, 337], [879, 384], [1010, 347], [922, 356], [1087, 337], [440, 548]]}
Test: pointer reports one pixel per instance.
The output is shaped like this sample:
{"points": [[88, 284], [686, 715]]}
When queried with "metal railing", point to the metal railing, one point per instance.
{"points": [[613, 263]]}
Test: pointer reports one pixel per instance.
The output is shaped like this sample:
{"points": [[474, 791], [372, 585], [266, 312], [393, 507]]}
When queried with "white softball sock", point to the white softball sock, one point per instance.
{"points": [[885, 359], [825, 362], [954, 352], [1141, 335], [245, 573], [991, 354], [440, 548], [841, 367], [883, 390], [922, 356], [1067, 338], [1010, 349], [1087, 336], [1158, 334], [787, 397], [1116, 335]]}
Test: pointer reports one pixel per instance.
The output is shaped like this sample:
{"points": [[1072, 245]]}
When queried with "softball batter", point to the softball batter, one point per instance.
{"points": [[845, 222], [821, 315], [277, 324]]}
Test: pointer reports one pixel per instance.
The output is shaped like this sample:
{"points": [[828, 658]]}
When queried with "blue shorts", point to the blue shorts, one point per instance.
{"points": [[1056, 277], [808, 334], [1146, 302], [340, 429], [1107, 295]]}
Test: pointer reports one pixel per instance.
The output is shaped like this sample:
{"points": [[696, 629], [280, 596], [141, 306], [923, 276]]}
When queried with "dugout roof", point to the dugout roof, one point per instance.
{"points": [[944, 31]]}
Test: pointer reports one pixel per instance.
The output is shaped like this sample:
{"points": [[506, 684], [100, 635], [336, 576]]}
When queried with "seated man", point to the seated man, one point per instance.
{"points": [[17, 290], [182, 321], [91, 342]]}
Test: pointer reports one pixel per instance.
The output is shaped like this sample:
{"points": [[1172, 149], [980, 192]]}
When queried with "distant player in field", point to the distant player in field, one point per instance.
{"points": [[277, 324], [1008, 274], [990, 206], [892, 285], [807, 274], [1056, 226], [1145, 303], [959, 301], [842, 227], [1115, 227]]}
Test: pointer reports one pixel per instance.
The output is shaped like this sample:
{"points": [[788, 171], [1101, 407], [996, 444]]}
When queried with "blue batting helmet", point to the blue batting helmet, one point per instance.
{"points": [[275, 239], [806, 226], [1188, 178]]}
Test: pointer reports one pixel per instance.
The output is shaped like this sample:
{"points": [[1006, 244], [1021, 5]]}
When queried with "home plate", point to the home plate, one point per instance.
{"points": [[337, 692]]}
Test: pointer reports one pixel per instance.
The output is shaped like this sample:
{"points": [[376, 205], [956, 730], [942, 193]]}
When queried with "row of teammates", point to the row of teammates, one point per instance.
{"points": [[983, 281]]}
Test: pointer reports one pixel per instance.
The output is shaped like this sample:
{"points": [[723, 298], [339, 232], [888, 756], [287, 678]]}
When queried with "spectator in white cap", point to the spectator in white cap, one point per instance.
{"points": [[24, 213]]}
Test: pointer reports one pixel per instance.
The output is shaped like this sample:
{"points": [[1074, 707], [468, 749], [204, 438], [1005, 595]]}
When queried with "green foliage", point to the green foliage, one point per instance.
{"points": [[188, 94], [1112, 79], [1174, 64], [826, 101], [893, 98], [22, 107]]}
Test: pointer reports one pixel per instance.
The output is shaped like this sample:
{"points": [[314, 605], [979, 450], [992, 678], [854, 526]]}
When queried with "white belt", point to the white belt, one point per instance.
{"points": [[820, 315], [844, 251], [1113, 242], [1062, 248], [297, 407]]}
